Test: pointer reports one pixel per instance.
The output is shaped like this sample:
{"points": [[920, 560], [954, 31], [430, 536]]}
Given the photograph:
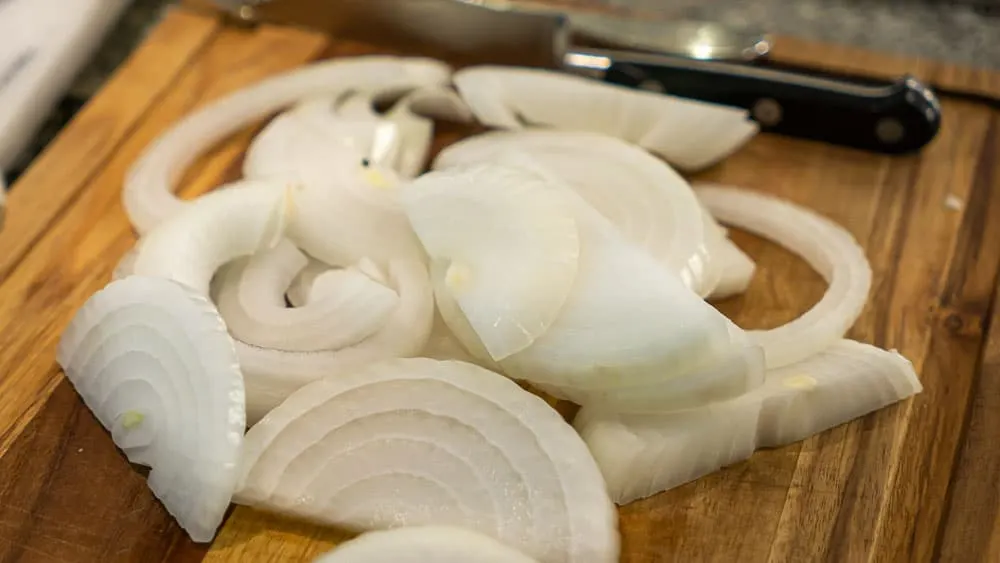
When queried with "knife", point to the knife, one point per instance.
{"points": [[895, 117]]}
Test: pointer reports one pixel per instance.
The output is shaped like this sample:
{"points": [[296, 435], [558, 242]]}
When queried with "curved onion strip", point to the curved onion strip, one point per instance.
{"points": [[629, 321], [641, 455], [412, 115], [148, 194], [218, 227], [422, 442], [736, 270], [424, 544], [826, 246], [272, 375], [154, 363], [652, 206], [508, 241], [251, 299], [513, 98]]}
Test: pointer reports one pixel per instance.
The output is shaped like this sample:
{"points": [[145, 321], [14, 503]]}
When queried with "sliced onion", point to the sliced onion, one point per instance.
{"points": [[252, 300], [826, 246], [420, 442], [508, 243], [736, 270], [149, 187], [417, 130], [629, 321], [154, 363], [652, 206], [424, 544], [217, 228], [689, 134], [126, 264], [272, 375], [641, 455]]}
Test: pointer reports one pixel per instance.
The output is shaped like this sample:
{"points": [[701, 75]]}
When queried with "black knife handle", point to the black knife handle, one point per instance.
{"points": [[892, 118]]}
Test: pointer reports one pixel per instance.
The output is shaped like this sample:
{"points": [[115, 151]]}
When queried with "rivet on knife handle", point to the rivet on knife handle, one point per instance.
{"points": [[895, 118]]}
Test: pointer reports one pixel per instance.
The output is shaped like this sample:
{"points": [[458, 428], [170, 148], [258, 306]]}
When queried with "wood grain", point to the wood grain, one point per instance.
{"points": [[913, 482], [59, 174]]}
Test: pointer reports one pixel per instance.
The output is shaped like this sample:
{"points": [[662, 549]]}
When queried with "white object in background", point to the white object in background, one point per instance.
{"points": [[43, 46]]}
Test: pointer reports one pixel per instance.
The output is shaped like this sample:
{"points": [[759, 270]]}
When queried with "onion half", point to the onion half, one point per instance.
{"points": [[421, 442], [641, 455], [424, 544], [513, 98], [154, 363], [827, 247], [148, 195]]}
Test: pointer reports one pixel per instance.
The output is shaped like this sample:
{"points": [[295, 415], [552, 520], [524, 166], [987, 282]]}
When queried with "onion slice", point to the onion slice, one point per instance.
{"points": [[251, 298], [507, 241], [652, 206], [148, 195], [424, 544], [826, 246], [687, 133], [417, 441], [272, 375], [154, 363], [218, 227], [641, 455]]}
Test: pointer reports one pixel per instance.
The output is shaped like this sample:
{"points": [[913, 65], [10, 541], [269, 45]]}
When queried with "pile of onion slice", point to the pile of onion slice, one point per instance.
{"points": [[417, 441], [368, 321], [515, 98], [155, 364], [424, 544]]}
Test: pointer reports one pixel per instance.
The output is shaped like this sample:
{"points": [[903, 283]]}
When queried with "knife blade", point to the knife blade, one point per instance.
{"points": [[892, 118]]}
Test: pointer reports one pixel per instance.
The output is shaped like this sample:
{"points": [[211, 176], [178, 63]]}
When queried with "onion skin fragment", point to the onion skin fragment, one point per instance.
{"points": [[643, 454], [148, 195], [457, 445], [827, 247], [424, 544], [515, 98], [154, 363]]}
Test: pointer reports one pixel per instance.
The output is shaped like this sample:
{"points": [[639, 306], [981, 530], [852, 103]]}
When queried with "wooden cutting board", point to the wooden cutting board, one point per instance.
{"points": [[913, 482]]}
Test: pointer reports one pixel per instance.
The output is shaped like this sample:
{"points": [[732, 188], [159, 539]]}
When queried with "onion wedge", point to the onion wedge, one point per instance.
{"points": [[689, 134], [154, 363], [827, 247], [507, 244], [641, 455], [417, 441], [652, 206], [148, 194], [252, 300], [424, 544]]}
